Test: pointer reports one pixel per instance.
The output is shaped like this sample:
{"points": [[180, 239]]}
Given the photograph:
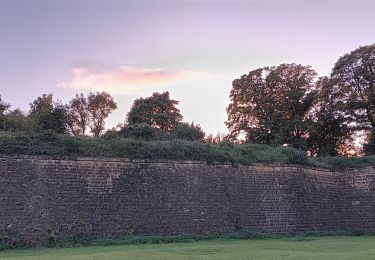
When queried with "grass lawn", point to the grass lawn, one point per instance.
{"points": [[341, 247]]}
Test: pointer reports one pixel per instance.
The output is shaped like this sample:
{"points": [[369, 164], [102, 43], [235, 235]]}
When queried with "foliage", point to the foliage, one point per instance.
{"points": [[189, 132], [329, 129], [269, 105], [356, 74], [157, 111], [99, 106], [345, 163], [47, 114], [15, 120], [144, 132], [3, 106], [369, 146], [78, 115], [279, 105], [181, 131], [50, 143], [12, 120], [218, 138]]}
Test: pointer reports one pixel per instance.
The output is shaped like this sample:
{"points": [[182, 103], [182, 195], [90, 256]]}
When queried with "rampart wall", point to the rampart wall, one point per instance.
{"points": [[43, 197]]}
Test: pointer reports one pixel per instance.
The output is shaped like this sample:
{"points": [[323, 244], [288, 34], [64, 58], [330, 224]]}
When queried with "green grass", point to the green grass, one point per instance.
{"points": [[339, 247]]}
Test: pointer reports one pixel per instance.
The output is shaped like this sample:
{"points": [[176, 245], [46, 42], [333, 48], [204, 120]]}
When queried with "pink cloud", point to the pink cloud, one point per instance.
{"points": [[122, 79]]}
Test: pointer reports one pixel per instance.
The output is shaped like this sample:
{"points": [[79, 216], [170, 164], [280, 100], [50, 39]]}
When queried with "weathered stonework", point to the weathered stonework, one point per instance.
{"points": [[44, 197]]}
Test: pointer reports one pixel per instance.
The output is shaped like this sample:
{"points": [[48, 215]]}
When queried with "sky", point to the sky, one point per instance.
{"points": [[193, 49]]}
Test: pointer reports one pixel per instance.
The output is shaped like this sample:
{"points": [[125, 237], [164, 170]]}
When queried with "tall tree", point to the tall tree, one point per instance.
{"points": [[270, 105], [157, 111], [100, 105], [329, 128], [356, 74], [78, 114], [47, 114]]}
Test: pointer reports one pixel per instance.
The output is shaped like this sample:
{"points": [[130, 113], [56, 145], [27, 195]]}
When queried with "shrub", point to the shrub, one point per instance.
{"points": [[189, 132], [138, 131]]}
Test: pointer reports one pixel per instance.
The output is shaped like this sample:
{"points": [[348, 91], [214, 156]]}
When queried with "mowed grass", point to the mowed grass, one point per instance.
{"points": [[341, 247]]}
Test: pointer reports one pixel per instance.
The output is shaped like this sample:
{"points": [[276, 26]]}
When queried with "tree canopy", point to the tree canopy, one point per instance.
{"points": [[3, 106], [157, 111], [269, 105], [78, 115], [329, 128], [99, 106], [355, 72], [284, 105], [47, 114]]}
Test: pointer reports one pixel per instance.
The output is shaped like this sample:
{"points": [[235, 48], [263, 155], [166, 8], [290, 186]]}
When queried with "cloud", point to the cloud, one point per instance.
{"points": [[122, 79]]}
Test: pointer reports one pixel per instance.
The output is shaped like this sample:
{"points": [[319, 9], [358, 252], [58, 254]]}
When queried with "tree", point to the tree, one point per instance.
{"points": [[16, 120], [3, 106], [43, 103], [329, 130], [47, 114], [157, 111], [100, 106], [270, 105], [356, 74], [78, 115]]}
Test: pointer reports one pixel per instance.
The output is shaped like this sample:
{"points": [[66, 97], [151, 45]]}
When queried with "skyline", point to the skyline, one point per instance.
{"points": [[193, 50]]}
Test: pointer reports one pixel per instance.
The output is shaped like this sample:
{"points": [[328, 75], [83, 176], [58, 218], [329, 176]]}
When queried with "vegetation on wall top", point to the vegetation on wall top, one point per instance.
{"points": [[115, 145]]}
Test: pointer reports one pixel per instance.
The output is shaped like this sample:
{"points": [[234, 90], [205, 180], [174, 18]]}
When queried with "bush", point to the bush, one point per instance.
{"points": [[189, 132], [138, 131]]}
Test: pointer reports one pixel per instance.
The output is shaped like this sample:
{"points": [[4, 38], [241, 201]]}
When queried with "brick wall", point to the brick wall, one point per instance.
{"points": [[43, 197]]}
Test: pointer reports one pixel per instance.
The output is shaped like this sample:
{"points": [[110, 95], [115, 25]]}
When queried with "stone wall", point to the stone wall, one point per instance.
{"points": [[42, 198]]}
